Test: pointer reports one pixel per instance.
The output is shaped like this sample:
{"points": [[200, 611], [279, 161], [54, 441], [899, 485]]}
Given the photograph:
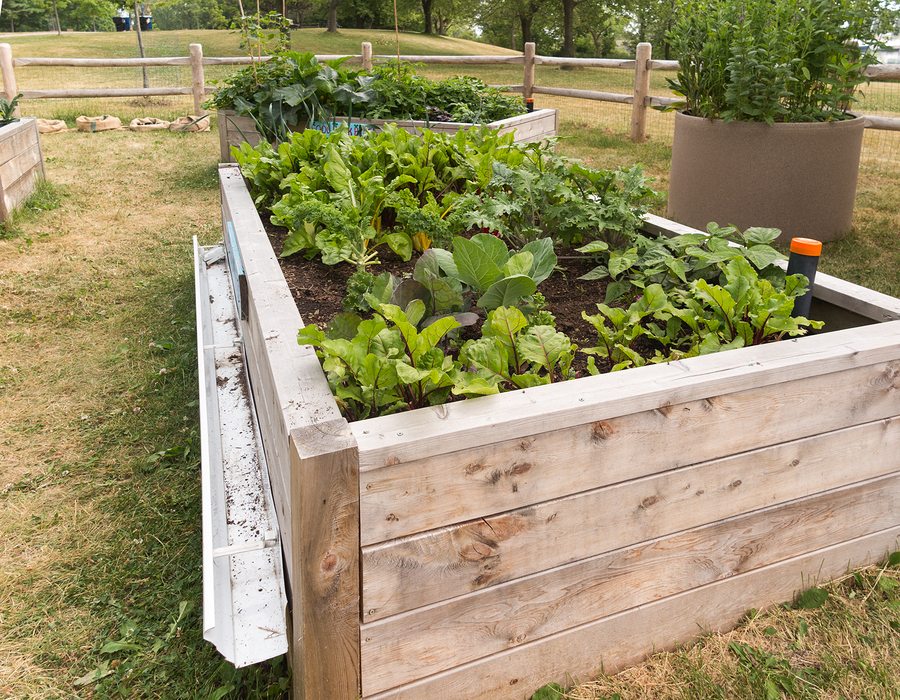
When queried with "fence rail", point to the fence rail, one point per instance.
{"points": [[640, 98]]}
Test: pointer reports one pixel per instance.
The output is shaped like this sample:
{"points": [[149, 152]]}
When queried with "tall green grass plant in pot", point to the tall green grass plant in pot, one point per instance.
{"points": [[765, 134]]}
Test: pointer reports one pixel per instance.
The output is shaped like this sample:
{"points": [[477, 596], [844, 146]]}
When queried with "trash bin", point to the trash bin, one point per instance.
{"points": [[146, 23], [127, 21], [120, 23]]}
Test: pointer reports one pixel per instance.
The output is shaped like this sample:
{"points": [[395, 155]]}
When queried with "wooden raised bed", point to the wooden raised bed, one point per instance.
{"points": [[534, 126], [486, 547], [21, 164]]}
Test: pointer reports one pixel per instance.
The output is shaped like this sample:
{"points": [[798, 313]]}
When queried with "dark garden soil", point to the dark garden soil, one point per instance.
{"points": [[319, 289]]}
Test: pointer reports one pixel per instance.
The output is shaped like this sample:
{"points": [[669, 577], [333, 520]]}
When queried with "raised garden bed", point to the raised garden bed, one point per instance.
{"points": [[482, 548], [21, 163], [534, 126]]}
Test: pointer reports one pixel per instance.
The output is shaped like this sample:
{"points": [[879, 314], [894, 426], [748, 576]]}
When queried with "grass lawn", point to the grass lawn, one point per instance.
{"points": [[99, 468], [99, 477]]}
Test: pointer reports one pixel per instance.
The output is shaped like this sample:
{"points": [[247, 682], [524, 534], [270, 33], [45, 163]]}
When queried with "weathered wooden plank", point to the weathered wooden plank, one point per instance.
{"points": [[17, 137], [615, 642], [585, 94], [324, 478], [424, 641], [403, 574], [426, 493], [104, 92], [19, 191], [104, 62], [626, 63], [852, 297], [288, 385], [879, 121], [19, 164], [388, 440]]}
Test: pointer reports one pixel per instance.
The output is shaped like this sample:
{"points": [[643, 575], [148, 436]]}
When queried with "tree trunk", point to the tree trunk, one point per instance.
{"points": [[56, 15], [426, 11], [525, 23], [332, 16], [569, 28]]}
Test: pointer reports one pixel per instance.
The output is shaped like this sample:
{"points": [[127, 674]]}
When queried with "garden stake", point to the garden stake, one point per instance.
{"points": [[803, 260]]}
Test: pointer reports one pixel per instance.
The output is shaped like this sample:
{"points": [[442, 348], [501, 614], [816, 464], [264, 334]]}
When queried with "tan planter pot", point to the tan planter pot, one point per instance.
{"points": [[800, 178]]}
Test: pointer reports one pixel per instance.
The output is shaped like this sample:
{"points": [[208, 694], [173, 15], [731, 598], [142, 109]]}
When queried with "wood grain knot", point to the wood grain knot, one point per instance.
{"points": [[601, 430], [734, 484], [525, 445], [518, 469], [665, 409], [391, 518], [795, 462], [649, 501], [699, 492], [474, 468], [392, 461], [329, 562]]}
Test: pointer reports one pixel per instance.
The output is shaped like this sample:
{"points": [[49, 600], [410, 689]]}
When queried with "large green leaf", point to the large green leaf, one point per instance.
{"points": [[543, 345], [544, 259], [519, 264], [507, 292], [475, 265]]}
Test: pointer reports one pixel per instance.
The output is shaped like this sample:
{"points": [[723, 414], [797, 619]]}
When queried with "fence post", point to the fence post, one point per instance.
{"points": [[9, 74], [641, 90], [528, 77], [367, 55], [198, 83]]}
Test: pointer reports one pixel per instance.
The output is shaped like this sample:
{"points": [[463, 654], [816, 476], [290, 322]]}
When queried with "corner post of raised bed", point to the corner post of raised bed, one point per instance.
{"points": [[528, 76], [642, 59], [326, 574], [367, 55], [7, 68], [198, 80]]}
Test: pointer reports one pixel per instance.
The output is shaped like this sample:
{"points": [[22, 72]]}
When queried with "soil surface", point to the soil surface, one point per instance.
{"points": [[319, 289]]}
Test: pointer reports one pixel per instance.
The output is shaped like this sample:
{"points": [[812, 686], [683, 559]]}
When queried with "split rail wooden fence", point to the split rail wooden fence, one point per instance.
{"points": [[640, 99]]}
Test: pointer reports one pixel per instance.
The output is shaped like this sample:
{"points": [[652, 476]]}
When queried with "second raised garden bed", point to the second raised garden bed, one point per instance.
{"points": [[538, 125], [483, 548]]}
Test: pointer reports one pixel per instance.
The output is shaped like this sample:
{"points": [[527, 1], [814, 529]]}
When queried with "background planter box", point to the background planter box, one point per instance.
{"points": [[483, 548], [21, 163], [534, 126]]}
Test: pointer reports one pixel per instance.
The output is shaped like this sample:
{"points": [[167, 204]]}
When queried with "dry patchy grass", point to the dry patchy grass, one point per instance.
{"points": [[99, 492]]}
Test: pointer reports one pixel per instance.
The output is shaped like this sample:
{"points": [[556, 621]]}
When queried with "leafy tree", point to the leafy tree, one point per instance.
{"points": [[189, 14]]}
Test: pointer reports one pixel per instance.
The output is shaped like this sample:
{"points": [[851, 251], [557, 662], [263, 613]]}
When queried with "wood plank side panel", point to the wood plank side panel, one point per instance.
{"points": [[422, 494], [324, 491], [390, 440], [14, 195], [411, 572], [626, 638], [20, 164], [427, 640], [288, 386]]}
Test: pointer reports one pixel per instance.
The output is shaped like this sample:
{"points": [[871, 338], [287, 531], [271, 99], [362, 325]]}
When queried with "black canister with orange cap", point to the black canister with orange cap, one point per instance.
{"points": [[804, 259]]}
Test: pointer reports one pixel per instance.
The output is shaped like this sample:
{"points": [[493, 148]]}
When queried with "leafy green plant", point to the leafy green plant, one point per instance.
{"points": [[8, 109], [789, 61], [512, 355], [548, 194], [384, 364], [678, 260], [701, 318], [290, 90]]}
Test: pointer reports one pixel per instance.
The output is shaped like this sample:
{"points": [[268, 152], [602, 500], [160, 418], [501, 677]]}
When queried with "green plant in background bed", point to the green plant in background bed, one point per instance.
{"points": [[8, 109], [786, 61]]}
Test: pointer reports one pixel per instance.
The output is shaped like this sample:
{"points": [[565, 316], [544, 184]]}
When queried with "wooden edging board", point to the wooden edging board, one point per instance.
{"points": [[534, 126], [440, 518], [21, 163]]}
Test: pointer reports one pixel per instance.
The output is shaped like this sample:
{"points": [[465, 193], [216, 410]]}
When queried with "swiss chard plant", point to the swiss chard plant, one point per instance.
{"points": [[384, 364], [512, 355], [679, 260]]}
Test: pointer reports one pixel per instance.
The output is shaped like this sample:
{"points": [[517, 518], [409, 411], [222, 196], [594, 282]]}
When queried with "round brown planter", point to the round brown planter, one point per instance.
{"points": [[800, 178]]}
